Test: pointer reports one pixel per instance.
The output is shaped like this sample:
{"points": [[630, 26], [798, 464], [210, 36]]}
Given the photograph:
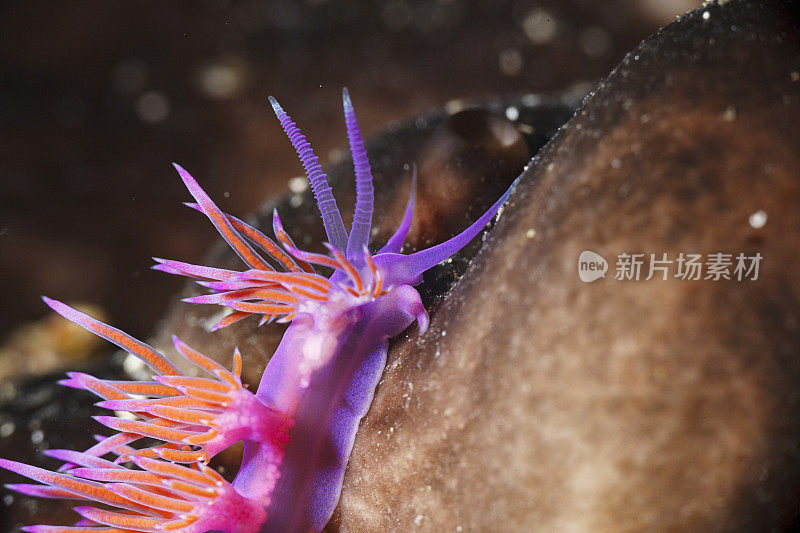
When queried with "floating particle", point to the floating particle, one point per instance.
{"points": [[510, 62], [539, 26], [220, 80], [6, 429], [298, 184], [152, 107], [37, 436], [594, 41], [758, 219]]}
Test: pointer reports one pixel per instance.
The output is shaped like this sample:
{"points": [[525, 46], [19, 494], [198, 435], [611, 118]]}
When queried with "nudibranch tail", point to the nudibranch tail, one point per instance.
{"points": [[195, 418]]}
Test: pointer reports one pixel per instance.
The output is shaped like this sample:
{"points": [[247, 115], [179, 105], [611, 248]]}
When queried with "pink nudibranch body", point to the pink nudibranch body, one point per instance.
{"points": [[299, 426]]}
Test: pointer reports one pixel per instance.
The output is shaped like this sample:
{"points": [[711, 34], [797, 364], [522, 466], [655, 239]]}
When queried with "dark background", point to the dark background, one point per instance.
{"points": [[97, 98]]}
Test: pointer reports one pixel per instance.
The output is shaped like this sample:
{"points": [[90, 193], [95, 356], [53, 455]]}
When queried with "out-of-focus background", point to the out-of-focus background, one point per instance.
{"points": [[97, 98]]}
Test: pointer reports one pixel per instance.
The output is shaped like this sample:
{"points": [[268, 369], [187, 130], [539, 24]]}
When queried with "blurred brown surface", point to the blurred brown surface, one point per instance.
{"points": [[538, 402], [97, 99]]}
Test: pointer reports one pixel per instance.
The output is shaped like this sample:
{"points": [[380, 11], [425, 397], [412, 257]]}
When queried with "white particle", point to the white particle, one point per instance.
{"points": [[758, 219], [531, 100], [37, 436], [134, 366], [531, 233], [418, 520], [512, 113], [730, 114], [594, 41], [152, 107], [510, 62], [7, 429], [706, 15], [454, 106], [298, 184], [539, 26], [220, 80]]}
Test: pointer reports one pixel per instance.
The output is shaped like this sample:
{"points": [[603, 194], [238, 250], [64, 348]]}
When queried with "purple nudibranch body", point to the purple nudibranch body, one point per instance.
{"points": [[299, 426]]}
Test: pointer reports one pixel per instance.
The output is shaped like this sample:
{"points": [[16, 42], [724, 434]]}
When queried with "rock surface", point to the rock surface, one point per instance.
{"points": [[539, 402]]}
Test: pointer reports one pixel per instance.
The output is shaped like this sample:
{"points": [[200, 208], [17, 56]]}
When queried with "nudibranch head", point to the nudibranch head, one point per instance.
{"points": [[282, 283]]}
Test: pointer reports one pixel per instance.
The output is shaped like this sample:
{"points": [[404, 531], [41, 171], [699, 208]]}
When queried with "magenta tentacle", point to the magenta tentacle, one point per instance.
{"points": [[408, 268], [145, 352], [217, 217], [331, 217], [395, 242], [362, 215]]}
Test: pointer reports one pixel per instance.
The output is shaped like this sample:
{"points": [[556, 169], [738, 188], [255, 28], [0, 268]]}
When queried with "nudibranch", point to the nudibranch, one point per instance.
{"points": [[298, 428]]}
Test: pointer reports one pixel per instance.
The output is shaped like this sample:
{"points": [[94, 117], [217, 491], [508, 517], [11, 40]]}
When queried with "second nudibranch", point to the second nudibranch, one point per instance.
{"points": [[299, 427]]}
